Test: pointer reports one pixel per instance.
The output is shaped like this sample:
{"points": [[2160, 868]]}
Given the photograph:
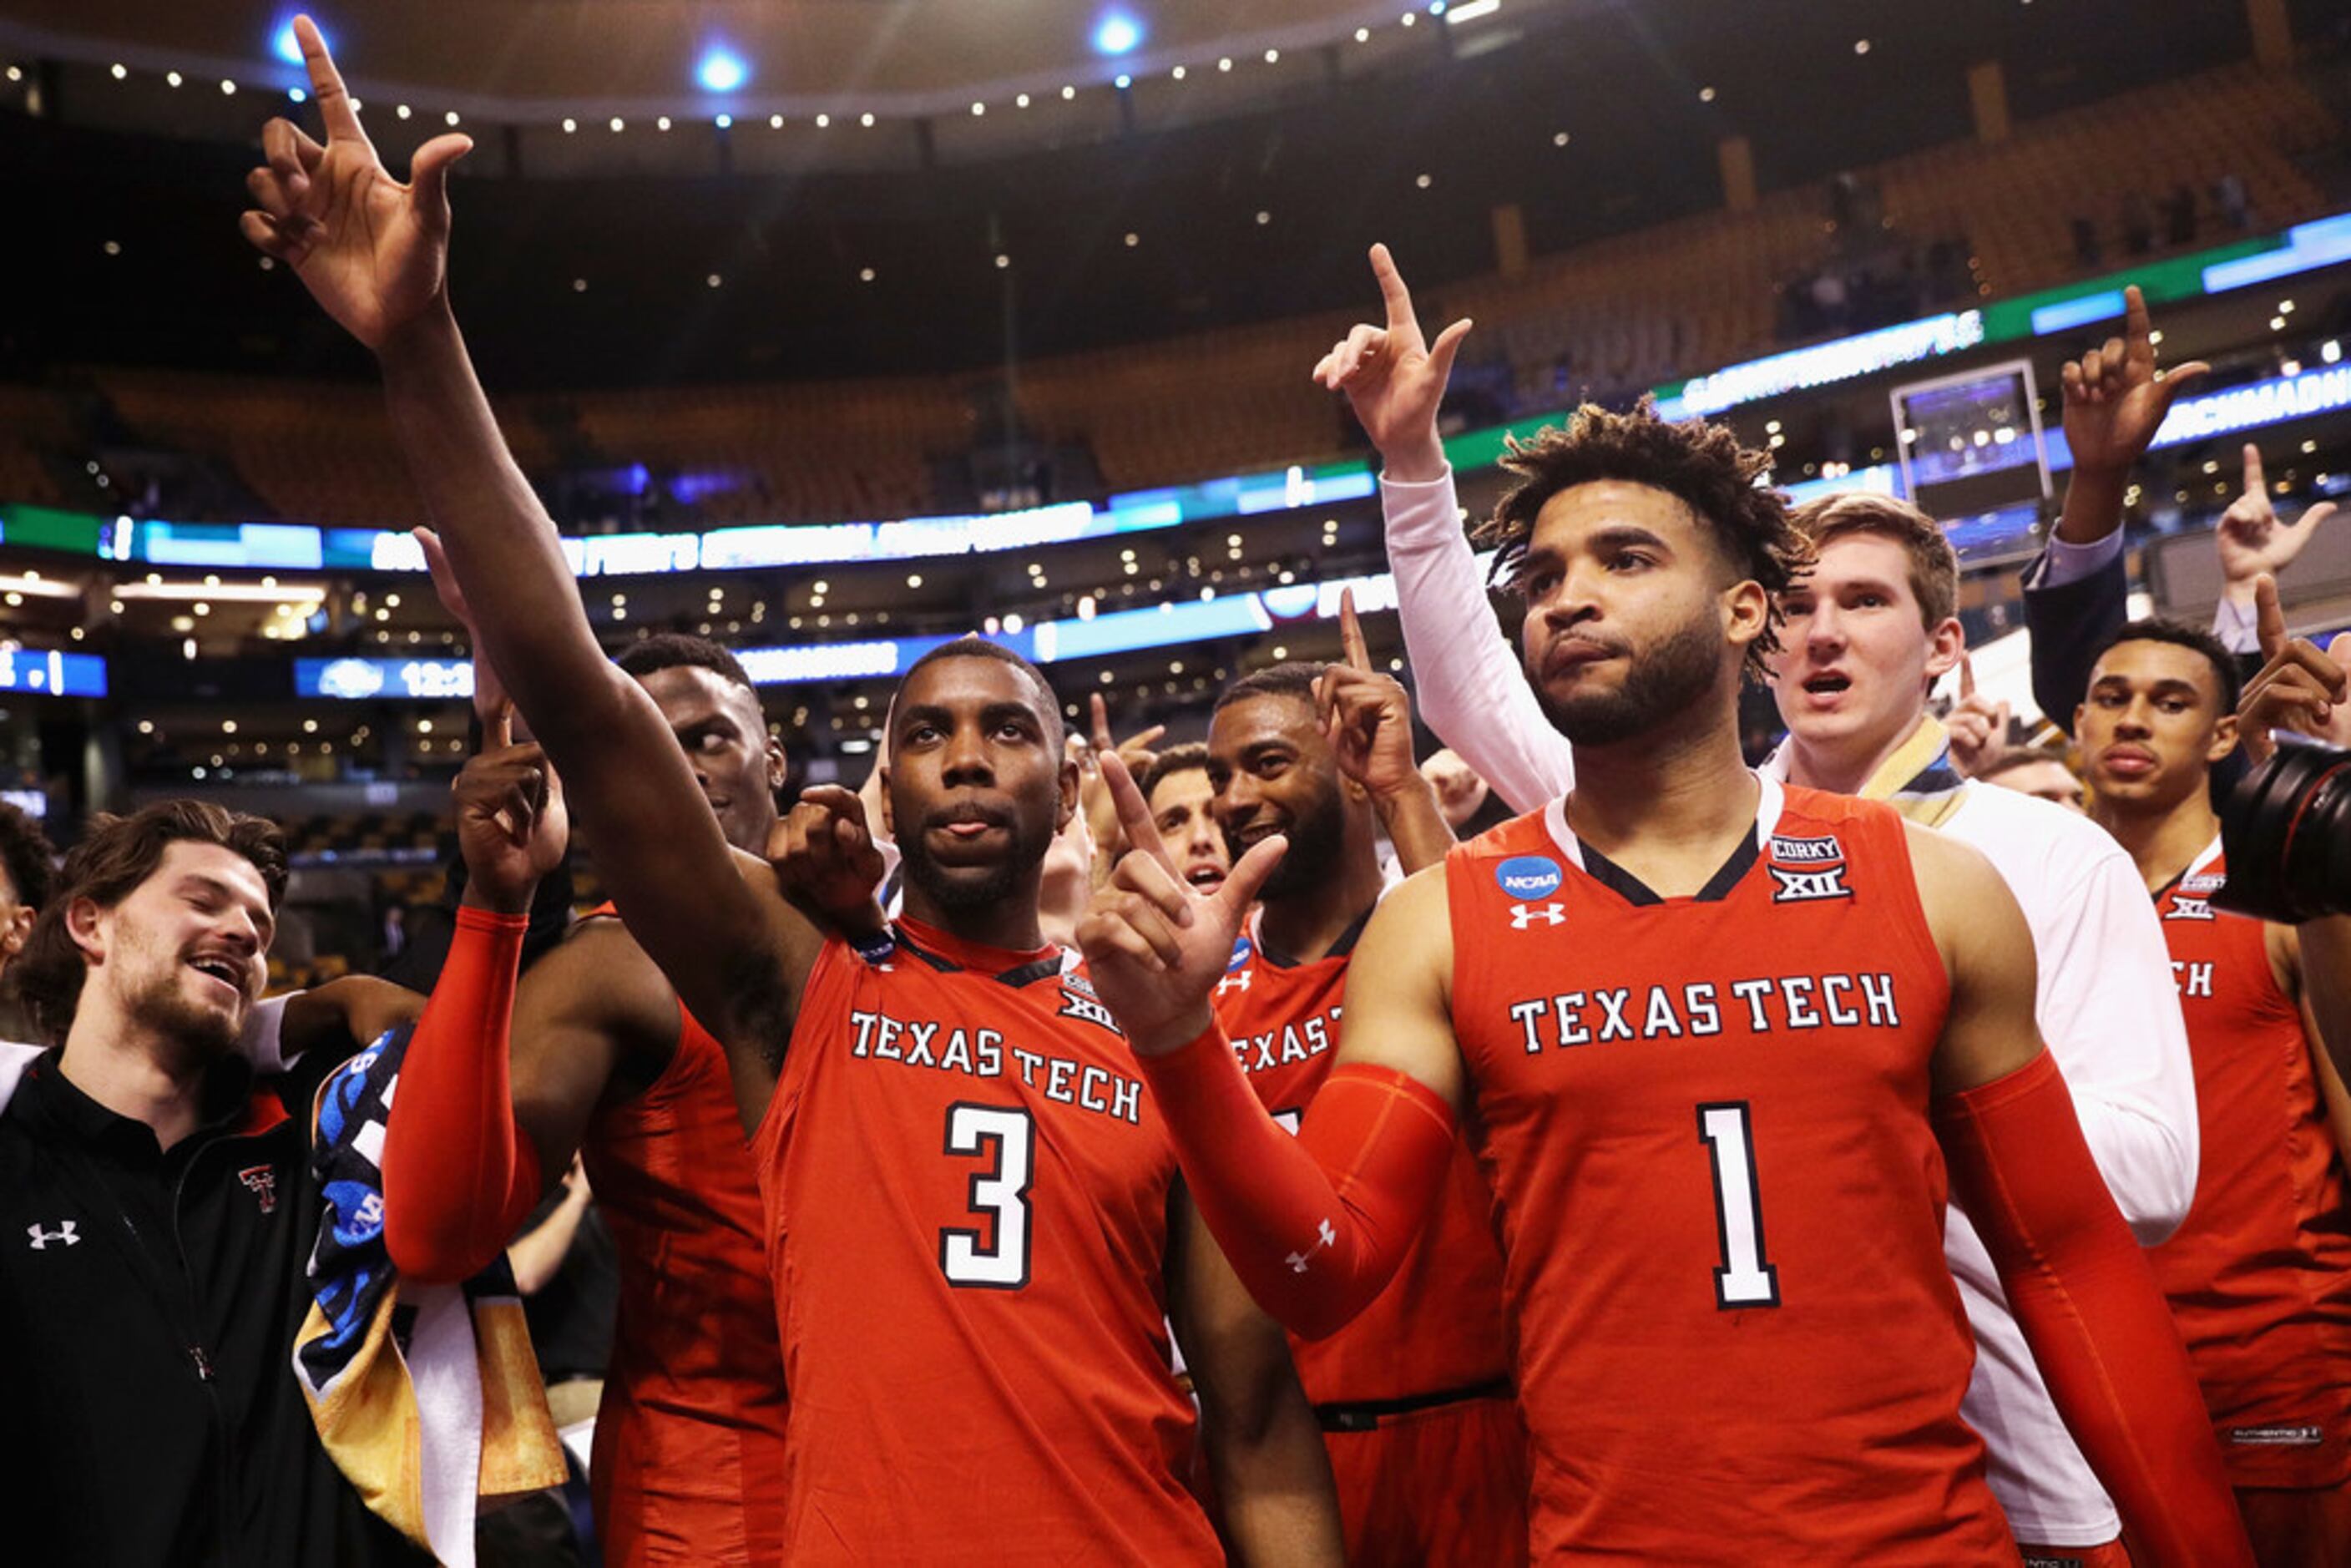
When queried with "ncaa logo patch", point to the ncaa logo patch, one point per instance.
{"points": [[1528, 877], [1240, 954]]}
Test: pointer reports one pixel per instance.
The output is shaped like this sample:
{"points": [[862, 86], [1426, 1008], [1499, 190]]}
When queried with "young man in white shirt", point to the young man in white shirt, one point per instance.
{"points": [[1867, 635]]}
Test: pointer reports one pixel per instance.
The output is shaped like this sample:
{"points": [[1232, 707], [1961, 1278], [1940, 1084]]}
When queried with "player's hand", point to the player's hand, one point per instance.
{"points": [[575, 1182], [371, 251], [1154, 946], [1366, 715], [1978, 725], [1395, 378], [492, 706], [825, 859], [2297, 687], [1459, 791], [2251, 538], [512, 826], [1093, 790], [2115, 397]]}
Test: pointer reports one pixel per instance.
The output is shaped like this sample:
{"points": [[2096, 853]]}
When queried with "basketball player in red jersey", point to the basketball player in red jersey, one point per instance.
{"points": [[606, 1061], [1426, 1444], [2259, 1274], [1713, 1030], [972, 1214]]}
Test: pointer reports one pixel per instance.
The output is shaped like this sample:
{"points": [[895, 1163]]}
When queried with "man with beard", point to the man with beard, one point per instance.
{"points": [[2260, 1275], [157, 1216], [1426, 1445], [972, 1219], [592, 1054], [1712, 1029], [1868, 630]]}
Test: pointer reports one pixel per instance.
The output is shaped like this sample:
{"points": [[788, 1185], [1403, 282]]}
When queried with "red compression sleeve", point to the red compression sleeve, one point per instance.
{"points": [[1315, 1225], [2089, 1306], [459, 1176]]}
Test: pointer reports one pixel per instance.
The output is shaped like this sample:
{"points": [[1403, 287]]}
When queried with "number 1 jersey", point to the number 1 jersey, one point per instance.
{"points": [[1705, 1123], [966, 1195]]}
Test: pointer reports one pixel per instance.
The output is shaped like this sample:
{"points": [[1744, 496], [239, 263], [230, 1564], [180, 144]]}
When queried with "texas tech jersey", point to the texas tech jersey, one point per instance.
{"points": [[690, 1432], [966, 1196], [2258, 1275], [1705, 1120], [1437, 1327]]}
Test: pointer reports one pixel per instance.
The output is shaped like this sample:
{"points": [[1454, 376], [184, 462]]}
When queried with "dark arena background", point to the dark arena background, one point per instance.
{"points": [[946, 318]]}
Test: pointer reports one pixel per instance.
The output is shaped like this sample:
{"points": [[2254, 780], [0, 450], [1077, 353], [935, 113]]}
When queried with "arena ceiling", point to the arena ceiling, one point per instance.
{"points": [[526, 58]]}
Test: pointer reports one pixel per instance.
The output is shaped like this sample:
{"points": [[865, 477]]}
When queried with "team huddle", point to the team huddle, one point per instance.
{"points": [[1837, 1161]]}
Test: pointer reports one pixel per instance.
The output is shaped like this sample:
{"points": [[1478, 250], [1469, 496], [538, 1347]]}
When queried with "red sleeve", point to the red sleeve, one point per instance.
{"points": [[2093, 1314], [459, 1176], [1315, 1225]]}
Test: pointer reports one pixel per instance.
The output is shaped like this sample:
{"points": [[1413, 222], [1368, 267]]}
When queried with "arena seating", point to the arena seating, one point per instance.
{"points": [[1620, 314]]}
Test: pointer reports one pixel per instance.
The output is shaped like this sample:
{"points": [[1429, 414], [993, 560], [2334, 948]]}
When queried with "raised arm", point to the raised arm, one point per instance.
{"points": [[2116, 400], [2080, 1287], [1315, 1225], [1473, 689], [2253, 543], [372, 251], [1270, 1472], [1368, 718]]}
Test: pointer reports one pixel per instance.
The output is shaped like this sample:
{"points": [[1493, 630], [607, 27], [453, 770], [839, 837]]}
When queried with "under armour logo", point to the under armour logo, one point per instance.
{"points": [[1325, 1236], [262, 1182], [1525, 915], [1238, 980], [1797, 885], [64, 1232]]}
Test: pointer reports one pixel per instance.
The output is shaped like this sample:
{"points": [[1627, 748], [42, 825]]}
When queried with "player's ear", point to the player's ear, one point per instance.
{"points": [[779, 768], [1946, 644], [1746, 613], [889, 821], [1071, 783], [85, 924], [2225, 738]]}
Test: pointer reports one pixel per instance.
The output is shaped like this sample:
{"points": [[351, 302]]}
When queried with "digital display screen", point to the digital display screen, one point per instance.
{"points": [[53, 674]]}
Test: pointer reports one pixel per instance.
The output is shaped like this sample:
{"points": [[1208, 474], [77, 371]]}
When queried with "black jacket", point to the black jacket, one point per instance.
{"points": [[148, 1301]]}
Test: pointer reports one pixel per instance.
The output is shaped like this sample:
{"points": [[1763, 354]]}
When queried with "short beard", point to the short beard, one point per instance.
{"points": [[1316, 841], [204, 1033], [971, 887], [1659, 681]]}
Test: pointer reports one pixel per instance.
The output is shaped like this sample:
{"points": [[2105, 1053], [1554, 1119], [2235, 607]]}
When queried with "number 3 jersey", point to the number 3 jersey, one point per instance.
{"points": [[967, 1191], [1705, 1120]]}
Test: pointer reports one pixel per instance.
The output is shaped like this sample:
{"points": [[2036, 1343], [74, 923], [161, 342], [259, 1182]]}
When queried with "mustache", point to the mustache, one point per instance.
{"points": [[969, 811]]}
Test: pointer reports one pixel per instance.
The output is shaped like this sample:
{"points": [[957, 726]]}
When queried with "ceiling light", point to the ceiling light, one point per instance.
{"points": [[1068, 91], [1470, 11], [723, 122], [979, 109], [228, 88], [400, 110], [775, 122], [450, 118], [721, 71], [1116, 34], [569, 125], [662, 124], [821, 121], [1362, 35], [1122, 81], [866, 119], [1177, 73], [1021, 101], [170, 79], [1273, 57], [288, 48]]}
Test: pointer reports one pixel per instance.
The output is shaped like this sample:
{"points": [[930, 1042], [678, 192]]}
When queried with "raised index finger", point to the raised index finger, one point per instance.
{"points": [[2138, 334], [1967, 676], [1350, 633], [327, 84], [1133, 811], [1397, 298], [2256, 483], [2269, 616]]}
